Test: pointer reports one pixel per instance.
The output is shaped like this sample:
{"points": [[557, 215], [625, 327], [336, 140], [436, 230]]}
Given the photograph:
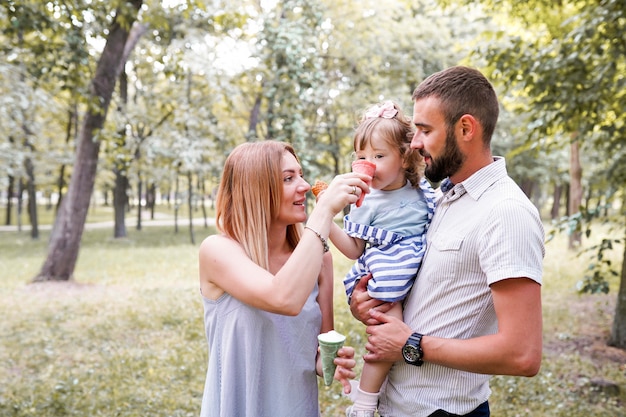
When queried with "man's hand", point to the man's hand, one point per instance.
{"points": [[361, 303], [386, 339]]}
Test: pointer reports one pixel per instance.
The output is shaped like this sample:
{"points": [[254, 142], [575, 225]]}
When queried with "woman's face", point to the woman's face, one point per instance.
{"points": [[292, 208]]}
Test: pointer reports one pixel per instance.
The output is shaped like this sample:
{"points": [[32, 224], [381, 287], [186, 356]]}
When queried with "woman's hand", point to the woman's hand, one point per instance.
{"points": [[345, 367], [344, 190]]}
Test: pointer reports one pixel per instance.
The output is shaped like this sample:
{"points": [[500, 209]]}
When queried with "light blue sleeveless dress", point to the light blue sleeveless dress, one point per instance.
{"points": [[260, 364]]}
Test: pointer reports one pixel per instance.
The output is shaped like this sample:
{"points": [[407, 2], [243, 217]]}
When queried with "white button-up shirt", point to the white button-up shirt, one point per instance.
{"points": [[484, 230]]}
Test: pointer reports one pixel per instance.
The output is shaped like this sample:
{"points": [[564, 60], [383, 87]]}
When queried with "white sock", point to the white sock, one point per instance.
{"points": [[365, 400], [354, 387]]}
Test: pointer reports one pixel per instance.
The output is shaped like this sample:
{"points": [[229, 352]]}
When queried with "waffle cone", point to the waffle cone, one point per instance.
{"points": [[318, 187], [329, 343]]}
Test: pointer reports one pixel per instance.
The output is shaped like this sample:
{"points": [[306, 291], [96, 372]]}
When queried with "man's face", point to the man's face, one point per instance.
{"points": [[435, 142]]}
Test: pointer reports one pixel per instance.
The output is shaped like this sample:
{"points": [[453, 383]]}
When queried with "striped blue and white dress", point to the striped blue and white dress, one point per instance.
{"points": [[394, 225]]}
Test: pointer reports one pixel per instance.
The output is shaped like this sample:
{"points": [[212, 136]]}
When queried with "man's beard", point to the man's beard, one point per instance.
{"points": [[448, 163]]}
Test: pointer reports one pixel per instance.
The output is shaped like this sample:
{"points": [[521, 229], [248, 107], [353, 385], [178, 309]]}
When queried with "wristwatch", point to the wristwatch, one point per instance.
{"points": [[412, 350]]}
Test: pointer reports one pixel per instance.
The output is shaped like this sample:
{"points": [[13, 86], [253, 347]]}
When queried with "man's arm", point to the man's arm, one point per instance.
{"points": [[361, 303], [515, 349]]}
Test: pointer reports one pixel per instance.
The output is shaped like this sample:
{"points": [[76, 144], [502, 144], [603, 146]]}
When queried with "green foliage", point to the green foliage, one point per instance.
{"points": [[313, 66], [291, 69], [55, 35], [566, 61], [601, 268]]}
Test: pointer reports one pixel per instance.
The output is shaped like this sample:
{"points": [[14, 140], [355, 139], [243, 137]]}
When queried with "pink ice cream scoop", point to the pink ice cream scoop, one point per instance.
{"points": [[365, 167]]}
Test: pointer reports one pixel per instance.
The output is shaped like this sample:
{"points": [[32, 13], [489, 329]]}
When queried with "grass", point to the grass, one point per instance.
{"points": [[126, 338]]}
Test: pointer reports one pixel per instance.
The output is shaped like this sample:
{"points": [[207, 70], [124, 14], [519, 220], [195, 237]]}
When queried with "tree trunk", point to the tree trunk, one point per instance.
{"points": [[618, 333], [169, 195], [334, 139], [31, 191], [70, 222], [120, 202], [556, 201], [120, 196], [139, 193], [151, 199], [60, 186], [20, 203], [176, 205], [576, 190], [190, 204], [70, 134], [202, 194], [32, 198], [10, 191], [254, 119], [29, 167]]}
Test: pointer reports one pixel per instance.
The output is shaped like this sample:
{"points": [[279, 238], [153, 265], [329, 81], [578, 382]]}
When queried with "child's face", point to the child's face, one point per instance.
{"points": [[390, 173]]}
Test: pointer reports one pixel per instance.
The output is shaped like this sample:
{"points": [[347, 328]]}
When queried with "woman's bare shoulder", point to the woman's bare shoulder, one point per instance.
{"points": [[215, 242], [216, 255]]}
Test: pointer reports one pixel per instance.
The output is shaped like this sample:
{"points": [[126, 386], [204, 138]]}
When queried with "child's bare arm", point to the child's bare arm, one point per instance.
{"points": [[351, 247]]}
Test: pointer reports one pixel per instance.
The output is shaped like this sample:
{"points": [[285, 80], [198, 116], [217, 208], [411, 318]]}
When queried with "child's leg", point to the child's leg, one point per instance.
{"points": [[373, 376]]}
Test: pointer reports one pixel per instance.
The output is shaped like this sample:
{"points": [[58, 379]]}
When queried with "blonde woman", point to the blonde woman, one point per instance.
{"points": [[267, 285]]}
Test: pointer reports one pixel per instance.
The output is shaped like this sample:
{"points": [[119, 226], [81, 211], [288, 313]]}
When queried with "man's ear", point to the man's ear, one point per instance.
{"points": [[468, 125]]}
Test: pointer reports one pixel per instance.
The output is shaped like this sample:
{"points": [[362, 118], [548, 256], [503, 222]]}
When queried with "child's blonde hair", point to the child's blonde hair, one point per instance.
{"points": [[397, 130]]}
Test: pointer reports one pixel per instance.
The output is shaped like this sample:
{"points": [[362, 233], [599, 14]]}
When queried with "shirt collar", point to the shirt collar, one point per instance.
{"points": [[480, 181]]}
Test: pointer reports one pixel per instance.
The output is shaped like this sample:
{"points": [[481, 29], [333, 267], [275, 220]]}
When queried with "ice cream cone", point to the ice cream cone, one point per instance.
{"points": [[330, 343], [366, 167], [318, 187]]}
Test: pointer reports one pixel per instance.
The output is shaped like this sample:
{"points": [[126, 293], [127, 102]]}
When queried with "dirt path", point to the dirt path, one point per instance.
{"points": [[590, 338], [161, 220]]}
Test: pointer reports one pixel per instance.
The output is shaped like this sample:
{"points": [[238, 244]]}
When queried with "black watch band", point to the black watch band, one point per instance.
{"points": [[412, 350]]}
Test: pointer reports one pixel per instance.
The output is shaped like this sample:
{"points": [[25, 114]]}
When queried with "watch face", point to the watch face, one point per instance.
{"points": [[410, 353]]}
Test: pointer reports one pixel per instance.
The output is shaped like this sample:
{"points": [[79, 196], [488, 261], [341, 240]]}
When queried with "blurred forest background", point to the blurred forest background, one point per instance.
{"points": [[135, 105]]}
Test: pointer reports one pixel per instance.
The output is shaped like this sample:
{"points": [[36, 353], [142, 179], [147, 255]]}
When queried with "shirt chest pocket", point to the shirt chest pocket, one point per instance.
{"points": [[445, 257]]}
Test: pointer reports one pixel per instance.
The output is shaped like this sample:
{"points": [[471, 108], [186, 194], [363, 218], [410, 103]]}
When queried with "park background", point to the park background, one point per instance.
{"points": [[117, 117]]}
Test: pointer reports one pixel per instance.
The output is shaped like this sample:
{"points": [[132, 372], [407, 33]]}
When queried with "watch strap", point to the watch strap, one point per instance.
{"points": [[415, 341]]}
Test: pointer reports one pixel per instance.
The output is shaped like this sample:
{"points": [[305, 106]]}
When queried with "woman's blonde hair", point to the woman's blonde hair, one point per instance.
{"points": [[397, 130], [250, 195]]}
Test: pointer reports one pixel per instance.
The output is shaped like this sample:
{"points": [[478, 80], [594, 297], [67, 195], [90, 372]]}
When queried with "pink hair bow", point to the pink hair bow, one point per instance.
{"points": [[387, 111]]}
